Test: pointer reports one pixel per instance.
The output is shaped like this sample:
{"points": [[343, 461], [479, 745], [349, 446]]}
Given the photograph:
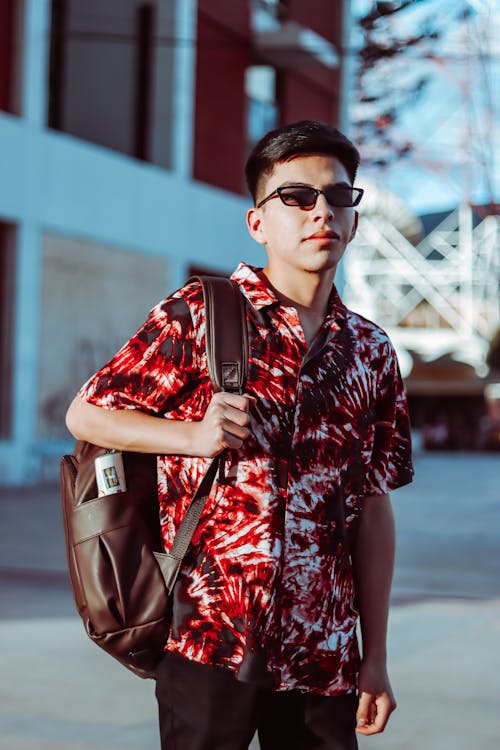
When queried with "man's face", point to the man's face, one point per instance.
{"points": [[306, 240]]}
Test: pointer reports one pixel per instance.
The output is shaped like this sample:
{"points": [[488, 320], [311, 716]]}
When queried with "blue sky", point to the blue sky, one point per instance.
{"points": [[454, 125]]}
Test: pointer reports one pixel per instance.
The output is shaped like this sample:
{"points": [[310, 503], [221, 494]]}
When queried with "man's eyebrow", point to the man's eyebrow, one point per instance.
{"points": [[294, 183]]}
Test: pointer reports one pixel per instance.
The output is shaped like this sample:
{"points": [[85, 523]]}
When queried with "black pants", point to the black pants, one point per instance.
{"points": [[206, 708]]}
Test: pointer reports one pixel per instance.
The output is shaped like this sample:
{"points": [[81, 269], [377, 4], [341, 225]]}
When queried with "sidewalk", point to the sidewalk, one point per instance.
{"points": [[59, 692]]}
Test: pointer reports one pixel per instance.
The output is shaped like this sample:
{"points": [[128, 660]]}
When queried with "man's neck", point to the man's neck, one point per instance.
{"points": [[309, 294]]}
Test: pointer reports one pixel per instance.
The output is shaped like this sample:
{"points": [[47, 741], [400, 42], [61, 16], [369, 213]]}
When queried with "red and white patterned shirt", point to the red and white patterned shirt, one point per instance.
{"points": [[267, 587]]}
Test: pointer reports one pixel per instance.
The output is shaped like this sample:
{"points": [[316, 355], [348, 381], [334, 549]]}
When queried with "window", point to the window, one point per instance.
{"points": [[111, 74], [262, 112], [7, 289], [268, 14], [11, 15]]}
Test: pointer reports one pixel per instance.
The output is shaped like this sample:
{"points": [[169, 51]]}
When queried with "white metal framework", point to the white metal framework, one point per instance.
{"points": [[448, 284]]}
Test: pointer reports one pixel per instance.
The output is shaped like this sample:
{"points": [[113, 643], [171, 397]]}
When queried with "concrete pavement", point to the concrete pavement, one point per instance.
{"points": [[59, 692]]}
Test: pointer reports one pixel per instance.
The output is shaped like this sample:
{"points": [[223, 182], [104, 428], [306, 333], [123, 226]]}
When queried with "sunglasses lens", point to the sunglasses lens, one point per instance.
{"points": [[341, 196], [298, 196], [305, 197]]}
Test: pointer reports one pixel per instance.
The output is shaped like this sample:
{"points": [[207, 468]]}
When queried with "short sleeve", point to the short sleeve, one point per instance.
{"points": [[152, 367], [390, 464]]}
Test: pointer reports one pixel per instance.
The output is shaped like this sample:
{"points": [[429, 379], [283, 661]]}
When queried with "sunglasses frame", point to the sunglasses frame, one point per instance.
{"points": [[278, 194]]}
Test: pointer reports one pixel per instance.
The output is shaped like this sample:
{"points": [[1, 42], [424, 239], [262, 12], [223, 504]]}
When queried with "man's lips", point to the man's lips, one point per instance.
{"points": [[326, 235]]}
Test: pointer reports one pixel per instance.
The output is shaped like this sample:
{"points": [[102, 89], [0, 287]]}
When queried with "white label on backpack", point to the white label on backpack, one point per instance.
{"points": [[110, 474]]}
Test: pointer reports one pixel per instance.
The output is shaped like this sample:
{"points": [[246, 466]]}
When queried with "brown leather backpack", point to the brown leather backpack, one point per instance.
{"points": [[120, 575]]}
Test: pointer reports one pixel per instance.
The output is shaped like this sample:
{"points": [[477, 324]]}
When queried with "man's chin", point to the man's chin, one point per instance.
{"points": [[327, 262]]}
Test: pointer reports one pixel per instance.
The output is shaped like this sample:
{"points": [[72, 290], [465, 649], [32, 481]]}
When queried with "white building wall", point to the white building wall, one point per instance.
{"points": [[184, 77], [75, 187], [54, 184]]}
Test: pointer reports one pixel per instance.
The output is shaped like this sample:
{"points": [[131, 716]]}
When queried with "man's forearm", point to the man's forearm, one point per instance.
{"points": [[373, 560], [128, 429], [224, 425]]}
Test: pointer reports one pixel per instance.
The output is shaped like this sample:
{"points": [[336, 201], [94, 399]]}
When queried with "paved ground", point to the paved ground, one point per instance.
{"points": [[59, 692]]}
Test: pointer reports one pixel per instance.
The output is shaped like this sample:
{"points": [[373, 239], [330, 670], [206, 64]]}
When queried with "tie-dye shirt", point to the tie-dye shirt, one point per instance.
{"points": [[267, 589]]}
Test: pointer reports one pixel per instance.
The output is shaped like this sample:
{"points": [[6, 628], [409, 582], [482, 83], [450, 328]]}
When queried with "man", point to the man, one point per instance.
{"points": [[299, 537]]}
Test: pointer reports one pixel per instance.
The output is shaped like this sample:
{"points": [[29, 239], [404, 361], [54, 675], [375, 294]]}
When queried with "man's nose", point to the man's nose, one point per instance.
{"points": [[322, 207]]}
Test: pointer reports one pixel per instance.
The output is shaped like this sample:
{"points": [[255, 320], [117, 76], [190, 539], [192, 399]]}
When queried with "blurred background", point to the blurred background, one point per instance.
{"points": [[124, 128]]}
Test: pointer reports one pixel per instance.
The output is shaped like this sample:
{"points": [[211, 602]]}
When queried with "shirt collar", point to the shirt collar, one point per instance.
{"points": [[254, 286]]}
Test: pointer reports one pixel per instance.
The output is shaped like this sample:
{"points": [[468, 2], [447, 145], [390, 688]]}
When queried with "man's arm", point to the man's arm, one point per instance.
{"points": [[223, 426], [373, 560]]}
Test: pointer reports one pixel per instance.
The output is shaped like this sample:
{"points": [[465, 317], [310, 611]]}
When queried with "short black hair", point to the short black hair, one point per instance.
{"points": [[302, 137]]}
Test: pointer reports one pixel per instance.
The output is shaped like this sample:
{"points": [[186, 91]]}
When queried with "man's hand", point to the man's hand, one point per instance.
{"points": [[376, 699], [225, 425]]}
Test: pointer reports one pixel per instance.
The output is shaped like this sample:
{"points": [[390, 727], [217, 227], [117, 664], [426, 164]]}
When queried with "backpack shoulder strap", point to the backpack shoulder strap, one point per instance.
{"points": [[226, 333], [227, 355]]}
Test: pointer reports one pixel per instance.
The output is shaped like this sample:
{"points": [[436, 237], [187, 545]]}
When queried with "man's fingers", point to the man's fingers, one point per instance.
{"points": [[373, 713], [226, 421], [363, 712], [235, 430], [232, 441], [231, 408], [235, 416], [242, 403]]}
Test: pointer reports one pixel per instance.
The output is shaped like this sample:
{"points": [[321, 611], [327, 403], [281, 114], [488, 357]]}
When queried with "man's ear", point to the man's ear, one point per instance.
{"points": [[254, 224], [354, 226]]}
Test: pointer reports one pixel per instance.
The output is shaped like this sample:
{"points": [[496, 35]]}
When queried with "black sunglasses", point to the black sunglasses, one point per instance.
{"points": [[303, 196]]}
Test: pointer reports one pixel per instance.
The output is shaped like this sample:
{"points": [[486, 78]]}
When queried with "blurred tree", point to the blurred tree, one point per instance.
{"points": [[389, 79]]}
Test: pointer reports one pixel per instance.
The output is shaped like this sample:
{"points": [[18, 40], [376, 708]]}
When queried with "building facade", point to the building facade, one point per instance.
{"points": [[124, 127]]}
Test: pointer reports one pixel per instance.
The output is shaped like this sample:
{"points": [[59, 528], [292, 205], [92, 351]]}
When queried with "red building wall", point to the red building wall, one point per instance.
{"points": [[314, 92], [223, 55], [322, 16], [301, 100], [224, 51]]}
